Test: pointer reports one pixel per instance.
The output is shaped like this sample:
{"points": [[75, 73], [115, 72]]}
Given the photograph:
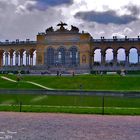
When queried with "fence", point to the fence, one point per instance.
{"points": [[70, 101]]}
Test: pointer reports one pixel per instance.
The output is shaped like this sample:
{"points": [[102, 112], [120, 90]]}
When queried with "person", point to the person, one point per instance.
{"points": [[60, 74], [57, 73], [73, 74]]}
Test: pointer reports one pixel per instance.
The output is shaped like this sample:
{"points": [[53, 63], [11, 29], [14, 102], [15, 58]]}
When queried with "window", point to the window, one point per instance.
{"points": [[50, 56]]}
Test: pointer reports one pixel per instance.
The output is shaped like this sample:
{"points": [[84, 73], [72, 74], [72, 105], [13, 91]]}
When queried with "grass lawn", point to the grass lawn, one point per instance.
{"points": [[4, 84], [88, 82], [69, 104]]}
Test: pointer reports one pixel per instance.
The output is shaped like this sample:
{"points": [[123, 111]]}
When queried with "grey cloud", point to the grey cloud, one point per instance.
{"points": [[134, 10], [4, 5], [24, 24], [106, 17]]}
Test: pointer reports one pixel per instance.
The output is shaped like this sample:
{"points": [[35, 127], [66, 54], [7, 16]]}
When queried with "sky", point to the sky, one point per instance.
{"points": [[23, 19]]}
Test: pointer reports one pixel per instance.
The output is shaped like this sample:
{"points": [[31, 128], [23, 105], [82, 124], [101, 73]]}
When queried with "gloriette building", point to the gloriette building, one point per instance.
{"points": [[67, 50]]}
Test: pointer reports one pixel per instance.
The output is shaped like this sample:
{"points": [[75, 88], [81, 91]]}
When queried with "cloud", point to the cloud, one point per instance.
{"points": [[41, 5], [27, 6], [106, 17], [133, 9]]}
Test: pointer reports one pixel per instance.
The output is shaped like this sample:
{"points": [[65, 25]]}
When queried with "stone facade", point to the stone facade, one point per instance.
{"points": [[66, 49]]}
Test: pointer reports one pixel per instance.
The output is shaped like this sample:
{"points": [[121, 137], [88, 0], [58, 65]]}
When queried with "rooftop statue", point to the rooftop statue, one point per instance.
{"points": [[50, 29], [74, 28], [62, 24]]}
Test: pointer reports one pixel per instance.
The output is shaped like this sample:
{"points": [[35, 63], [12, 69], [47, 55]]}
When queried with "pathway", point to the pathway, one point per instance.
{"points": [[33, 83], [45, 126]]}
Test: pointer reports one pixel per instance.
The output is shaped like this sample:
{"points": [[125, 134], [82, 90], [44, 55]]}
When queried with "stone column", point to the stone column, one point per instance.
{"points": [[31, 58], [21, 58], [92, 59], [115, 57], [126, 57], [103, 54], [17, 58], [27, 58], [11, 58], [139, 57], [1, 59]]}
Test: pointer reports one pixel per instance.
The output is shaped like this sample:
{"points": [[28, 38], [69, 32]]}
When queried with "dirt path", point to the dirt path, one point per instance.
{"points": [[44, 126], [33, 83]]}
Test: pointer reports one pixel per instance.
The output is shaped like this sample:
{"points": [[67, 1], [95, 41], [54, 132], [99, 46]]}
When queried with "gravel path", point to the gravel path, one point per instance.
{"points": [[44, 126]]}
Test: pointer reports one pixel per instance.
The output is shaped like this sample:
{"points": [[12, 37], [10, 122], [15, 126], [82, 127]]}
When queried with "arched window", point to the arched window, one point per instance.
{"points": [[61, 56], [73, 55], [50, 56]]}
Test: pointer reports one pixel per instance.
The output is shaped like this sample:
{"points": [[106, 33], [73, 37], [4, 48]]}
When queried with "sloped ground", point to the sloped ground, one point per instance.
{"points": [[36, 126]]}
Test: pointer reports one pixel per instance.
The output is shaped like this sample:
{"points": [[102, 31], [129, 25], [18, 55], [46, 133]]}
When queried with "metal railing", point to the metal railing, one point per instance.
{"points": [[102, 101]]}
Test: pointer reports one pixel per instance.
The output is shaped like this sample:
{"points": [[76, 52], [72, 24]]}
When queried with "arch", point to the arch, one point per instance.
{"points": [[31, 56], [109, 55], [73, 55], [97, 55], [50, 56], [16, 58], [121, 56], [61, 55], [96, 48], [133, 55]]}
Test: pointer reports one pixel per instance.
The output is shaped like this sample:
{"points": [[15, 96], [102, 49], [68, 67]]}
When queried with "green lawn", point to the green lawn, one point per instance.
{"points": [[72, 104], [89, 82], [4, 84], [69, 104]]}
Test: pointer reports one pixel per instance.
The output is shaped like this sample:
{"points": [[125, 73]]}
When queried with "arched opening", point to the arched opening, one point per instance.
{"points": [[16, 58], [50, 56], [97, 57], [24, 58], [34, 58], [121, 57], [133, 56], [6, 58], [109, 55], [73, 55]]}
